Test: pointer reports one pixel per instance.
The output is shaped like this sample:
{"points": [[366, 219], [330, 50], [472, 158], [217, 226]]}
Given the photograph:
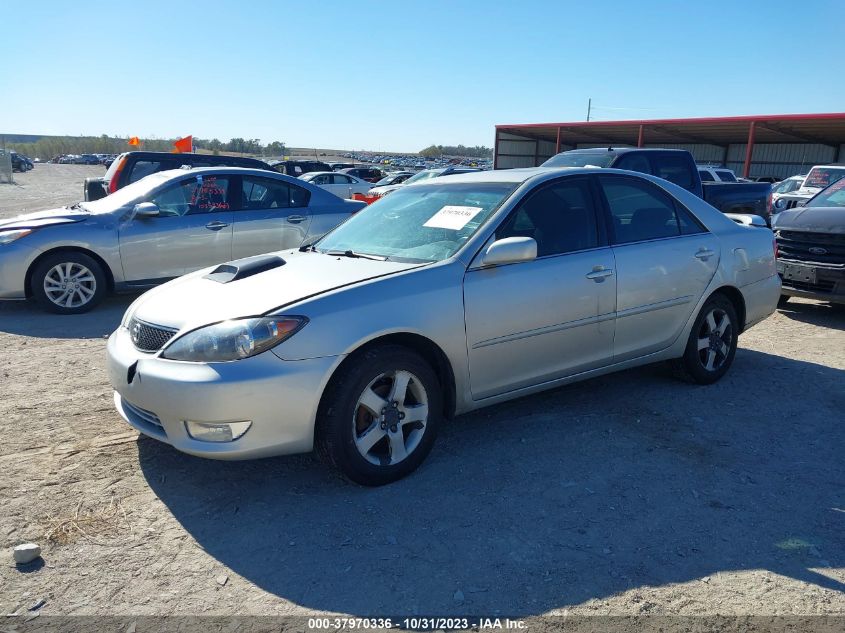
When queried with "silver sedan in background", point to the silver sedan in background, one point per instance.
{"points": [[441, 298], [163, 226]]}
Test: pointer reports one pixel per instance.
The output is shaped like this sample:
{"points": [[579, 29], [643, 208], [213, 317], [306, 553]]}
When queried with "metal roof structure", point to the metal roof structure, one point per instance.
{"points": [[818, 129]]}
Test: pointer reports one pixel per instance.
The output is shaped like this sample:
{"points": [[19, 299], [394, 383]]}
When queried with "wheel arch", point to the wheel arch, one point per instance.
{"points": [[430, 351], [734, 295], [67, 249]]}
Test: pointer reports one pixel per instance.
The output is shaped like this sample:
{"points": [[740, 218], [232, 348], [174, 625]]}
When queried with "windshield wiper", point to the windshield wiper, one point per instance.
{"points": [[77, 206], [355, 255], [308, 247]]}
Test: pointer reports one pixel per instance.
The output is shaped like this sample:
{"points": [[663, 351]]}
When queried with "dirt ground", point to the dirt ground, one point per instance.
{"points": [[628, 494]]}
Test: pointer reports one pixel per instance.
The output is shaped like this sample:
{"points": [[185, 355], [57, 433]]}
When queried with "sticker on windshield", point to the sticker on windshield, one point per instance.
{"points": [[453, 217]]}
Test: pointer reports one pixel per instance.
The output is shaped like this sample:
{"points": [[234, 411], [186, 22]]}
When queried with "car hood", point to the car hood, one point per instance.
{"points": [[812, 219], [40, 219], [195, 300]]}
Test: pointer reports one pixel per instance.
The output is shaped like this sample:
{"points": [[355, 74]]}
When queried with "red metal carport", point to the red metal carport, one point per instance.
{"points": [[799, 132]]}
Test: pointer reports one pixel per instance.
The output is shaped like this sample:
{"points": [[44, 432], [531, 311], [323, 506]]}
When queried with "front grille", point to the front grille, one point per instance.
{"points": [[791, 204], [149, 338], [822, 285], [147, 420], [823, 248]]}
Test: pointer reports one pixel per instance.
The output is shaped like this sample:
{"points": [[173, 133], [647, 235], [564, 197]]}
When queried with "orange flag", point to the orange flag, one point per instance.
{"points": [[134, 141], [184, 145]]}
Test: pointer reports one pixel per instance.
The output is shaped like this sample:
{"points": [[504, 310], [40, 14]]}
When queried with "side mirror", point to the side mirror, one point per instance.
{"points": [[510, 250], [146, 210]]}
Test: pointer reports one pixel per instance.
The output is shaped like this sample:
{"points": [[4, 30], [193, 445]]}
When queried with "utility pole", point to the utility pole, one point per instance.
{"points": [[589, 107]]}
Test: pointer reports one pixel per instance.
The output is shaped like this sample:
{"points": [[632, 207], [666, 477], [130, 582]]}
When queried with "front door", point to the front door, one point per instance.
{"points": [[665, 259], [193, 230], [532, 322], [274, 216]]}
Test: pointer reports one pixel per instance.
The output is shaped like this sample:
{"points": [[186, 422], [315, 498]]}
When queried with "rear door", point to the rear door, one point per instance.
{"points": [[342, 185], [665, 260], [192, 231], [273, 215]]}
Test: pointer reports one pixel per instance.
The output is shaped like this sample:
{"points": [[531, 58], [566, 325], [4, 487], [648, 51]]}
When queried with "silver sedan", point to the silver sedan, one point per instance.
{"points": [[159, 228], [441, 298]]}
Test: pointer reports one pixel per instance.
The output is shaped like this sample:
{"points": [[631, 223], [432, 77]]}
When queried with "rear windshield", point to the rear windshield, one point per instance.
{"points": [[822, 177], [726, 176], [581, 159]]}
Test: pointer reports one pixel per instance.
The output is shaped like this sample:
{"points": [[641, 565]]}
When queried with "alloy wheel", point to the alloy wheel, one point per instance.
{"points": [[390, 418], [70, 285], [715, 337]]}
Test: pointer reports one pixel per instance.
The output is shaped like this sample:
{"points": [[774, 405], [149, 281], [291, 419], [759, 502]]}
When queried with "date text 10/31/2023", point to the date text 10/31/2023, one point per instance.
{"points": [[417, 623]]}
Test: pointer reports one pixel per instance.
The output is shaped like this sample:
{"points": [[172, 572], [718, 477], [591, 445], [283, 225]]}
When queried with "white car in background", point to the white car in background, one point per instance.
{"points": [[818, 178], [785, 186], [341, 185]]}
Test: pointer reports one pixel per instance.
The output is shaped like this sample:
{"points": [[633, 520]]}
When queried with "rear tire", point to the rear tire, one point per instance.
{"points": [[712, 343], [784, 299], [68, 283], [379, 416]]}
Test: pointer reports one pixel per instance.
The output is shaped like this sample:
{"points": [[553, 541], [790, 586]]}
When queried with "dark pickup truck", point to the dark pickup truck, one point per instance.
{"points": [[677, 166], [132, 166], [811, 247]]}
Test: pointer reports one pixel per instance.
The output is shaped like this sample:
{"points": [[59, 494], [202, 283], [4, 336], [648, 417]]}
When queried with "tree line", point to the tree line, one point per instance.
{"points": [[48, 147], [479, 151]]}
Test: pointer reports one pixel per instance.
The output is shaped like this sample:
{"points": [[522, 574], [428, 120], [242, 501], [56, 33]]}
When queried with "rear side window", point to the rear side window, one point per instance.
{"points": [[675, 168], [640, 211], [706, 176], [144, 168], [633, 162], [340, 179], [560, 217], [268, 193]]}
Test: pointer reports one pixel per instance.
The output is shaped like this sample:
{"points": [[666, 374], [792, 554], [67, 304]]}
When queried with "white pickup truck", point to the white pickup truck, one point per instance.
{"points": [[818, 178]]}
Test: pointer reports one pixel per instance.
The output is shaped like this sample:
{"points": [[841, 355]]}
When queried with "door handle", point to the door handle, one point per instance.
{"points": [[599, 273], [704, 254], [295, 219], [216, 225]]}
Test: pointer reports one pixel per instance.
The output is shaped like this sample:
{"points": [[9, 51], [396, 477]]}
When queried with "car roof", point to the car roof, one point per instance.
{"points": [[618, 150]]}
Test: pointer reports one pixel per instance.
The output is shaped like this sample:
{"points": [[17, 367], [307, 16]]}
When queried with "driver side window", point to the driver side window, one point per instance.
{"points": [[193, 196], [560, 217]]}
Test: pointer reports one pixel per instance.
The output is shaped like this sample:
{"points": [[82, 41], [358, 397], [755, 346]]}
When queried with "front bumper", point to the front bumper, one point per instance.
{"points": [[812, 281], [279, 397], [15, 259]]}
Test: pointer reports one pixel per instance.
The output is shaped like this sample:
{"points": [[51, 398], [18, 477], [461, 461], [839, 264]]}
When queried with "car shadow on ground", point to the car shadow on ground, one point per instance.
{"points": [[547, 501], [28, 319], [827, 315]]}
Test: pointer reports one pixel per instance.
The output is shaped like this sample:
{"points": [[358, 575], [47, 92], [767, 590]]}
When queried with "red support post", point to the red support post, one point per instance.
{"points": [[640, 137], [557, 146], [746, 169]]}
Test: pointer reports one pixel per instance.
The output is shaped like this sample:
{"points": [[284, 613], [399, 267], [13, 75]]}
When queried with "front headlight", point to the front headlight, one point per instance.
{"points": [[233, 340], [16, 234]]}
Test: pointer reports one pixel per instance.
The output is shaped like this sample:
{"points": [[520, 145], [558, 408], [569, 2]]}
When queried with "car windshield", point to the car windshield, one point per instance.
{"points": [[427, 223], [833, 196], [130, 194], [424, 175], [581, 159], [821, 177], [787, 185]]}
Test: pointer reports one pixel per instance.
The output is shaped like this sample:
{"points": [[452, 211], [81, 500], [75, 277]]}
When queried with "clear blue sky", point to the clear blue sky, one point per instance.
{"points": [[401, 75]]}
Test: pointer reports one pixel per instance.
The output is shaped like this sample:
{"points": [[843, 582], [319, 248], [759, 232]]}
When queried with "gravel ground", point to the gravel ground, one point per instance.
{"points": [[628, 494]]}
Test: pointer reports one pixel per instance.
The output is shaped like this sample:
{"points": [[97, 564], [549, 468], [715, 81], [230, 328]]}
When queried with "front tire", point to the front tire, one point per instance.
{"points": [[712, 342], [783, 300], [379, 416], [68, 283]]}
